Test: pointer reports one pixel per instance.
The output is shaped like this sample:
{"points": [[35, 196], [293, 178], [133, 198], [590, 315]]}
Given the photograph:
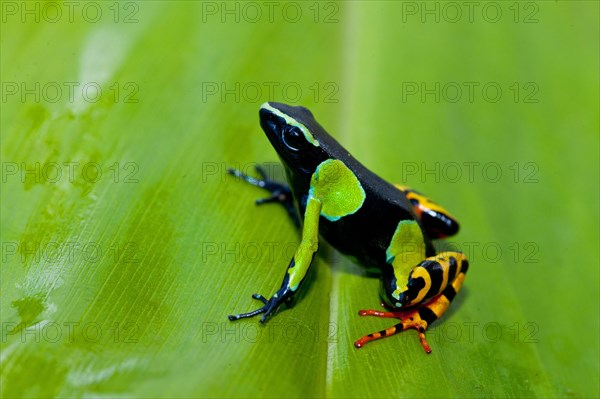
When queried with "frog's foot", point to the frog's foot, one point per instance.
{"points": [[408, 319], [280, 192], [269, 308]]}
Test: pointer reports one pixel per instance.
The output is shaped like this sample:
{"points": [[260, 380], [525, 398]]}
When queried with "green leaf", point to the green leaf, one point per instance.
{"points": [[125, 244]]}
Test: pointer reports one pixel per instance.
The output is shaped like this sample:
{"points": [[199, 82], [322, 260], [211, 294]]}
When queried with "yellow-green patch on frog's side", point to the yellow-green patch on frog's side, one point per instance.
{"points": [[337, 188]]}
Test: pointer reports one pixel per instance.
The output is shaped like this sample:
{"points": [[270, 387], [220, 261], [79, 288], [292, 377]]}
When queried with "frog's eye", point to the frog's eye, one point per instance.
{"points": [[293, 138]]}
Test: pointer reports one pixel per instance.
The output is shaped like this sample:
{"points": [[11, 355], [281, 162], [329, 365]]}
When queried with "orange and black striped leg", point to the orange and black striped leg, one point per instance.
{"points": [[408, 320], [420, 317]]}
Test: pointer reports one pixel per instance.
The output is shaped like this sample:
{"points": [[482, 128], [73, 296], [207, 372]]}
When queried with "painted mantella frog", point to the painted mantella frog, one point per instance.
{"points": [[382, 226]]}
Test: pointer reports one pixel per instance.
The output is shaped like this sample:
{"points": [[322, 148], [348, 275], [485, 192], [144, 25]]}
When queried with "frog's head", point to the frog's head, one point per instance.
{"points": [[295, 135]]}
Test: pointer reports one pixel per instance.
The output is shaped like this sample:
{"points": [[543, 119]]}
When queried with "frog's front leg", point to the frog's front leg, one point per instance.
{"points": [[280, 192], [298, 267], [437, 279]]}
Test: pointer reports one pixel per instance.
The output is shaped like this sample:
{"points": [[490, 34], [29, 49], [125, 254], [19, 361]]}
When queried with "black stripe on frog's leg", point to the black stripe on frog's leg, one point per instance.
{"points": [[437, 272]]}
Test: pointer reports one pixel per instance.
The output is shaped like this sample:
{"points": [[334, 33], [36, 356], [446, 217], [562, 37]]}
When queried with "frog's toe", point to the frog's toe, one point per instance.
{"points": [[269, 308], [261, 172], [235, 317], [253, 313], [276, 196], [378, 313], [260, 298], [247, 178]]}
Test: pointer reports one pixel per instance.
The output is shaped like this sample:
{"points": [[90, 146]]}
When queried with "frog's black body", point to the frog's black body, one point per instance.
{"points": [[371, 229], [365, 234], [363, 216]]}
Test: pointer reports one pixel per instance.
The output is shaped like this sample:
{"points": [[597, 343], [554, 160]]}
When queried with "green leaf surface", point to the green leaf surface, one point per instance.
{"points": [[125, 244]]}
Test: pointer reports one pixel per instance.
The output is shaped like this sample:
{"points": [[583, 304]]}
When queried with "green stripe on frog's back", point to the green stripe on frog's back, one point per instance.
{"points": [[338, 189], [293, 122]]}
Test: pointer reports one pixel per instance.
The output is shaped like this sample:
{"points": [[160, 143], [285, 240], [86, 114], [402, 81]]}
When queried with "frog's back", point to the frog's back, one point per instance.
{"points": [[367, 233]]}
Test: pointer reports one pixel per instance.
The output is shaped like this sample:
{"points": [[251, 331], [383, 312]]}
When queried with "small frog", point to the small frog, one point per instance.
{"points": [[384, 227]]}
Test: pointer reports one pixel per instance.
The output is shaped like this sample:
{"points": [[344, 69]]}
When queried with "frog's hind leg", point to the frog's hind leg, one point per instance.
{"points": [[420, 317], [436, 220], [280, 192]]}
